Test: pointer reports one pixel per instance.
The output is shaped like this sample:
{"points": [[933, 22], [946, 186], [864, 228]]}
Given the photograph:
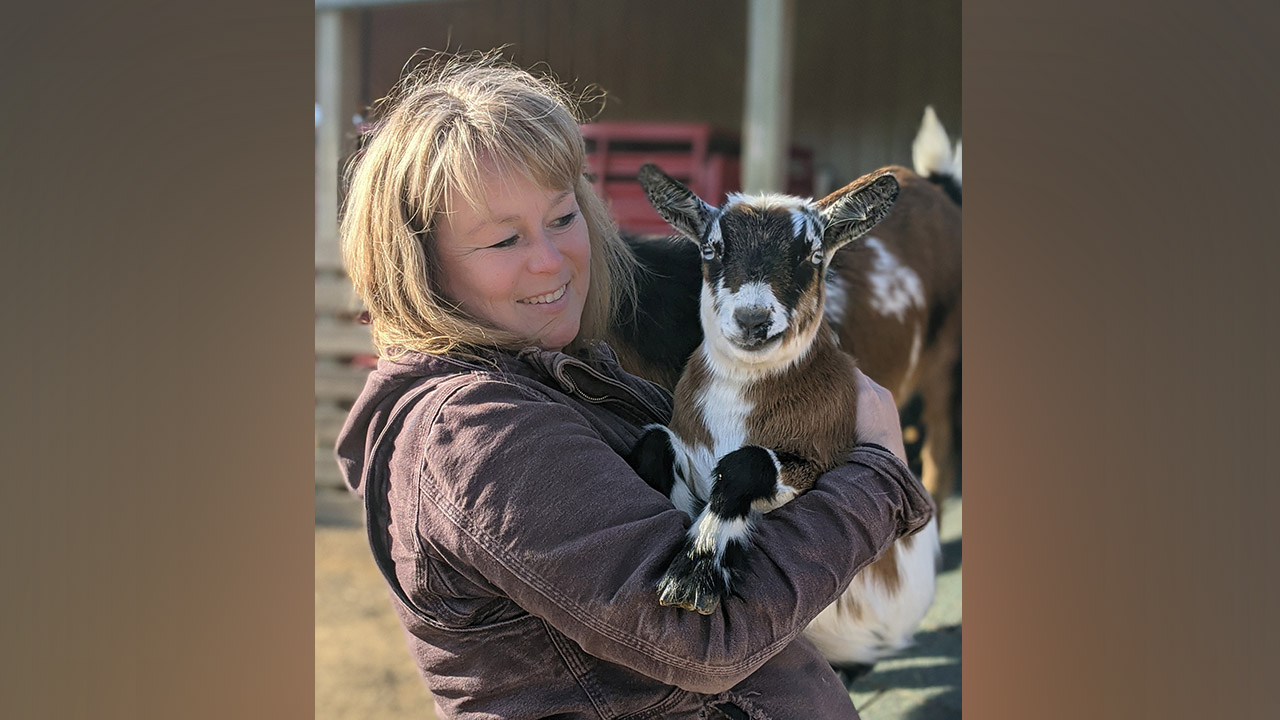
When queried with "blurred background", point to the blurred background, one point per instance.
{"points": [[798, 96]]}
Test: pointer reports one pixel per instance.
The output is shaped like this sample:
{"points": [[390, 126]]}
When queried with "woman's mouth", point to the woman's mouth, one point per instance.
{"points": [[545, 299]]}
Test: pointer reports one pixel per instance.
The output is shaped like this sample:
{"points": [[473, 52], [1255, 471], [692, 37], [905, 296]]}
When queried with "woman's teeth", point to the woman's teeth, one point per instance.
{"points": [[548, 298]]}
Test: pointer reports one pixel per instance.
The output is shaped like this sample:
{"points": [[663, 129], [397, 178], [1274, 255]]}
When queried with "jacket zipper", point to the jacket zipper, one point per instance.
{"points": [[632, 399]]}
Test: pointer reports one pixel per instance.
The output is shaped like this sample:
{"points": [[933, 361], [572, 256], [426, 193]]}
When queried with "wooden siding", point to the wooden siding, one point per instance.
{"points": [[339, 340], [864, 70]]}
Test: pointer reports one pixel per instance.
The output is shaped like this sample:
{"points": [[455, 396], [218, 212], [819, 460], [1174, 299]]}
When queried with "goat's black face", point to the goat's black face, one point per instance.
{"points": [[762, 271], [764, 258]]}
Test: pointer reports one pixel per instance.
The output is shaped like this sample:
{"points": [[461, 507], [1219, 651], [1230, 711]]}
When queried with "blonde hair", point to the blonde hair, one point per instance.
{"points": [[439, 125]]}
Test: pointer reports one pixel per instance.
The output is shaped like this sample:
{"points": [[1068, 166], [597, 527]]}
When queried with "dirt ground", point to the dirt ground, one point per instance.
{"points": [[363, 668]]}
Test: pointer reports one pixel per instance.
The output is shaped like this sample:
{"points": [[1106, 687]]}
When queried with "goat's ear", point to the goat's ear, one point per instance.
{"points": [[852, 212], [676, 203]]}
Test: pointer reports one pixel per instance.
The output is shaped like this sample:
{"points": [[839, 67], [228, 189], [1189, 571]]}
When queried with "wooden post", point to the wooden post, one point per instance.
{"points": [[337, 337], [337, 67], [766, 122]]}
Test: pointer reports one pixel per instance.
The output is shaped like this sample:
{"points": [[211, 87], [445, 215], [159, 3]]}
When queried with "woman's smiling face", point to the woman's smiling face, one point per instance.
{"points": [[521, 261]]}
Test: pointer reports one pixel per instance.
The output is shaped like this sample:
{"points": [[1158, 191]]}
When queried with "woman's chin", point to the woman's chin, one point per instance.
{"points": [[558, 338]]}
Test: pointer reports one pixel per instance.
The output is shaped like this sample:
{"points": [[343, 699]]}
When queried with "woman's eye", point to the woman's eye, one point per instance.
{"points": [[506, 243], [564, 221]]}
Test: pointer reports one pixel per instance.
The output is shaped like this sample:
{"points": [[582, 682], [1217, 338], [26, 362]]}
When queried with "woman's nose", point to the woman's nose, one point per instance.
{"points": [[546, 257]]}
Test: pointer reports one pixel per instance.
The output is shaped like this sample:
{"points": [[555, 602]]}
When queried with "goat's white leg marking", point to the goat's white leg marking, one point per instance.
{"points": [[783, 493], [712, 533], [684, 490], [682, 497], [895, 287]]}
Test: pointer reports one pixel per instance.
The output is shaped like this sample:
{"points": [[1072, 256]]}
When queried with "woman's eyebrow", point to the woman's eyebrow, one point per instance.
{"points": [[559, 198]]}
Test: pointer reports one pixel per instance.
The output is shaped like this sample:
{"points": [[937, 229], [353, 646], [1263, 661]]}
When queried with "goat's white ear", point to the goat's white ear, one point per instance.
{"points": [[852, 212], [676, 203]]}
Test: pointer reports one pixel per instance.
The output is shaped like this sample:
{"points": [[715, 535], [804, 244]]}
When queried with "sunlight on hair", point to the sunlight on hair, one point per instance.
{"points": [[442, 122]]}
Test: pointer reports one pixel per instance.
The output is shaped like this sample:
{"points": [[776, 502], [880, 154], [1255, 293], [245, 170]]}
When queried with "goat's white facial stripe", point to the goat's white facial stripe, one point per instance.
{"points": [[895, 288], [714, 238], [734, 364], [797, 223], [813, 226], [752, 295]]}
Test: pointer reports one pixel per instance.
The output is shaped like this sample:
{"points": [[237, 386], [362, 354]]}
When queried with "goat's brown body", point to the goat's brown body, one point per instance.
{"points": [[805, 411]]}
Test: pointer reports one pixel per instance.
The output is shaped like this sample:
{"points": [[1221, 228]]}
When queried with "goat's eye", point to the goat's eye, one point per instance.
{"points": [[708, 251], [816, 257]]}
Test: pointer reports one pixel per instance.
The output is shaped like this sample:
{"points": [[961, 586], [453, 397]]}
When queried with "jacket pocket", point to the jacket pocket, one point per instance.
{"points": [[616, 691], [455, 603]]}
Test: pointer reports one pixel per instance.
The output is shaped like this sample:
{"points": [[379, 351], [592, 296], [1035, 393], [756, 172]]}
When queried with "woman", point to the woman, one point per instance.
{"points": [[488, 444]]}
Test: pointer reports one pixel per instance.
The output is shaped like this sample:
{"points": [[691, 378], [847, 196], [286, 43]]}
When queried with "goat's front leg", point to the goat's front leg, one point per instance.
{"points": [[661, 460], [748, 481]]}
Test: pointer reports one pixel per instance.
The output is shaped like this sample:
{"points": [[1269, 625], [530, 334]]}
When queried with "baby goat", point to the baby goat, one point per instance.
{"points": [[766, 403], [892, 298]]}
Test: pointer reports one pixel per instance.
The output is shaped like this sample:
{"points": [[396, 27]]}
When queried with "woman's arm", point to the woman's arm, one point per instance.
{"points": [[523, 490]]}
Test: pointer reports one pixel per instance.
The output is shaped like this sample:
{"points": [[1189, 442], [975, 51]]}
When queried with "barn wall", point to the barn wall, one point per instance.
{"points": [[864, 70]]}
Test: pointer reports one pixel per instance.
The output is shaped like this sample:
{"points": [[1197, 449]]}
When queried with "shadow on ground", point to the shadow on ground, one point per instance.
{"points": [[923, 682]]}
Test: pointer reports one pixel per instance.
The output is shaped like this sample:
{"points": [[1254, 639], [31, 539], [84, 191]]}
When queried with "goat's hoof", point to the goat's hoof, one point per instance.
{"points": [[694, 582]]}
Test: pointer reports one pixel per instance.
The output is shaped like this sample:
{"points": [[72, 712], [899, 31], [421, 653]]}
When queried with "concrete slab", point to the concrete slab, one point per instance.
{"points": [[923, 683]]}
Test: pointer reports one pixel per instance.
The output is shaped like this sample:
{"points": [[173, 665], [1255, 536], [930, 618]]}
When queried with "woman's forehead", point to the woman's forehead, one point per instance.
{"points": [[496, 189], [511, 209]]}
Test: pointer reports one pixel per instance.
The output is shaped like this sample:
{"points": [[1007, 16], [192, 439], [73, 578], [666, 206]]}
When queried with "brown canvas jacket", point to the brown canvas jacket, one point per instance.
{"points": [[523, 552]]}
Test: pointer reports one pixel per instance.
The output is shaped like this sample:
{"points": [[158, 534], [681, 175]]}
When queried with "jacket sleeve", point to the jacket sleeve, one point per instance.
{"points": [[525, 491]]}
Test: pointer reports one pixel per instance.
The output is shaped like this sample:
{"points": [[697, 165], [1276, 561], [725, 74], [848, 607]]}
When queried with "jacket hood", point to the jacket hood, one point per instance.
{"points": [[392, 378], [372, 409]]}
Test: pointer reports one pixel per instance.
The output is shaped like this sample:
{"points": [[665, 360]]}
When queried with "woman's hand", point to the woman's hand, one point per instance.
{"points": [[878, 416]]}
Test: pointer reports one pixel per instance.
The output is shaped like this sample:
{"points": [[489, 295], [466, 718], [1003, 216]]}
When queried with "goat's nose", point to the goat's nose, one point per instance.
{"points": [[753, 320]]}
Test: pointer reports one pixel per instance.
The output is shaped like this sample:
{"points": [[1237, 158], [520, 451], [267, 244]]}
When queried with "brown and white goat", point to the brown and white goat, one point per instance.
{"points": [[893, 300], [766, 404]]}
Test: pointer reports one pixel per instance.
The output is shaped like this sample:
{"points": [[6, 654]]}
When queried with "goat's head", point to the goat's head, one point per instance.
{"points": [[764, 258]]}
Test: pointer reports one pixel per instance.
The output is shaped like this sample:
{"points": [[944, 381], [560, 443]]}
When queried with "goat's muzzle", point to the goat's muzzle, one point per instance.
{"points": [[754, 324]]}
